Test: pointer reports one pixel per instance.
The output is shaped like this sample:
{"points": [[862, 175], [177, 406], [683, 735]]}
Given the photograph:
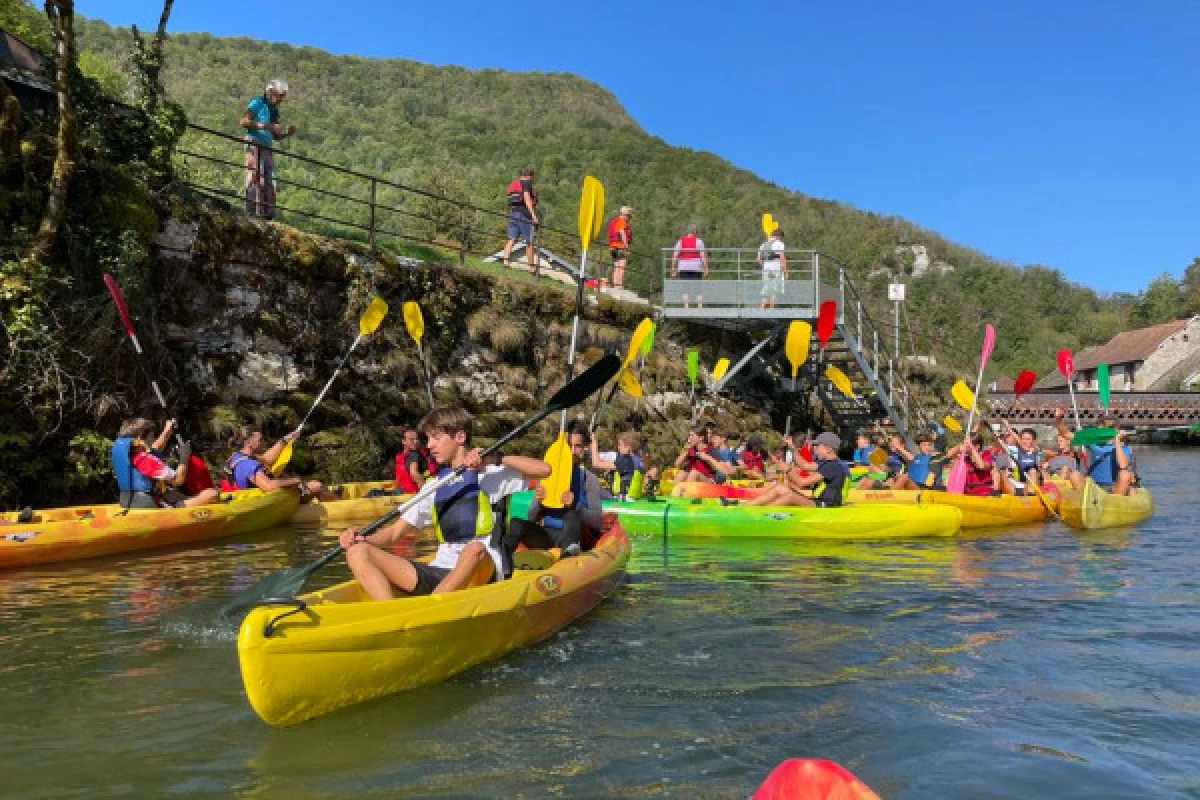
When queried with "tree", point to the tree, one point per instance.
{"points": [[61, 14], [1162, 300]]}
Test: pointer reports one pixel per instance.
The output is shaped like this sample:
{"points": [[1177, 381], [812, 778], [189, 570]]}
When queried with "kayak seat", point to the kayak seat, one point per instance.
{"points": [[526, 558]]}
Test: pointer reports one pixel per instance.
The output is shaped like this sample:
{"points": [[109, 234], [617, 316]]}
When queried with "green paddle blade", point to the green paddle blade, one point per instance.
{"points": [[648, 342], [1089, 436], [644, 331], [693, 365], [1102, 382]]}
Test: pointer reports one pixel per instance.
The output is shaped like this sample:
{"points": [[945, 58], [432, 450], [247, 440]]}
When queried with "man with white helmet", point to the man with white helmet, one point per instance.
{"points": [[261, 123]]}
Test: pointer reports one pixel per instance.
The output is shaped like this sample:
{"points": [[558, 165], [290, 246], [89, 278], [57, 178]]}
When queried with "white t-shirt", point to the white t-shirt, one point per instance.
{"points": [[769, 248], [497, 482]]}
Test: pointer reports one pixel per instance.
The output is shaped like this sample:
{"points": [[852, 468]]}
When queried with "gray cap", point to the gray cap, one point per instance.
{"points": [[828, 439]]}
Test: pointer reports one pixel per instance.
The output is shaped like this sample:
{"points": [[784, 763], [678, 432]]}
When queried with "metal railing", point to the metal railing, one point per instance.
{"points": [[735, 285], [381, 212]]}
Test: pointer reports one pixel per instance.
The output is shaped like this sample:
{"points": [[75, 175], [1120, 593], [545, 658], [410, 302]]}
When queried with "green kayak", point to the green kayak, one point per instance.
{"points": [[688, 517]]}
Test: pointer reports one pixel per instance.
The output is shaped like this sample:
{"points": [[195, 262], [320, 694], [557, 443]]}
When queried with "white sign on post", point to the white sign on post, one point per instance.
{"points": [[896, 292]]}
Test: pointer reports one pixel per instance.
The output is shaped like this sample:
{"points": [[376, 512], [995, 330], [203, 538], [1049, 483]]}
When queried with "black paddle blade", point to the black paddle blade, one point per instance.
{"points": [[282, 583], [590, 381]]}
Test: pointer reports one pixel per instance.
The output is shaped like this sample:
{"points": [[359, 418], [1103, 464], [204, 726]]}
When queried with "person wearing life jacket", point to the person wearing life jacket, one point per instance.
{"points": [[246, 467], [983, 477], [143, 477], [919, 466], [772, 260], [689, 261], [892, 475], [522, 218], [466, 513], [1026, 458], [620, 241], [694, 462], [628, 471], [753, 460], [574, 527], [827, 470], [1111, 466], [414, 464], [1063, 461]]}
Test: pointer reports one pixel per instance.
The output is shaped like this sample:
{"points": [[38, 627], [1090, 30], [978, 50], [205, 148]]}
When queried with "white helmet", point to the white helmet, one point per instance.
{"points": [[278, 85]]}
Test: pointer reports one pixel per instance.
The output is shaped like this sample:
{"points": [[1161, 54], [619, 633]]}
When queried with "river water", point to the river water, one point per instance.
{"points": [[1034, 662]]}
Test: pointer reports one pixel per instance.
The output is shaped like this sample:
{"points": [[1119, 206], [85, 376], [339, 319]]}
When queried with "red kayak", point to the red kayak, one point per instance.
{"points": [[812, 779]]}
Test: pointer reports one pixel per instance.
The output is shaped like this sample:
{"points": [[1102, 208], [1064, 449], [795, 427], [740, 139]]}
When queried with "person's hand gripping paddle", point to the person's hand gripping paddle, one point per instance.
{"points": [[957, 481]]}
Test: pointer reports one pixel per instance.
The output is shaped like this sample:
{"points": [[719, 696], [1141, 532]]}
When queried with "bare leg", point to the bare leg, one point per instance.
{"points": [[468, 559], [206, 497], [1076, 478], [508, 246], [380, 572], [618, 276], [1123, 483]]}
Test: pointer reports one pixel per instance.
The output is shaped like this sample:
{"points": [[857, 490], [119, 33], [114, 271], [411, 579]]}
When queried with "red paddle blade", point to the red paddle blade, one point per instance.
{"points": [[826, 317], [1066, 364], [1024, 382], [812, 779], [119, 302]]}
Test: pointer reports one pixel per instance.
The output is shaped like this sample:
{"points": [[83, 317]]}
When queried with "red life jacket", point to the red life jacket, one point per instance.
{"points": [[404, 480], [516, 196], [687, 247], [198, 477], [615, 226], [694, 462], [752, 460]]}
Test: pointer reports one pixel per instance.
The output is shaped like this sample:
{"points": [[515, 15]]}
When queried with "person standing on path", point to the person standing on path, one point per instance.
{"points": [[772, 260], [689, 261], [261, 123], [620, 240], [522, 218]]}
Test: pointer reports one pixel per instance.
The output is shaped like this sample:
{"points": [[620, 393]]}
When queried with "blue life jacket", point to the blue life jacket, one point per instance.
{"points": [[918, 468], [128, 477], [1102, 463], [461, 511], [553, 517], [835, 472], [1026, 460]]}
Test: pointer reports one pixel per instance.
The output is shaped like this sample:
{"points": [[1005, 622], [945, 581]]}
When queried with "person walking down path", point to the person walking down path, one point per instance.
{"points": [[689, 262], [772, 260], [620, 241], [261, 123], [522, 218]]}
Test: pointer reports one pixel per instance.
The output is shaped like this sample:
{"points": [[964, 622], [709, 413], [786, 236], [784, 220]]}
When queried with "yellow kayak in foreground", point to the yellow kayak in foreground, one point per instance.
{"points": [[68, 534], [1092, 508], [343, 648], [353, 505]]}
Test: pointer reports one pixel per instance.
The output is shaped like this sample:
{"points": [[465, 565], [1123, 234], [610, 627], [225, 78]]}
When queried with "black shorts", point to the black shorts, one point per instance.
{"points": [[618, 254], [428, 577], [690, 275]]}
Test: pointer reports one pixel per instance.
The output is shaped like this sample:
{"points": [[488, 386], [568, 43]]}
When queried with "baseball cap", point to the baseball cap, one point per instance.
{"points": [[828, 439], [626, 209]]}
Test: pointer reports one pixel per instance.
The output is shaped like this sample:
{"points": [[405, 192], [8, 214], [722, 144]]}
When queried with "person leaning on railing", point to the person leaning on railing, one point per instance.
{"points": [[261, 123], [689, 261]]}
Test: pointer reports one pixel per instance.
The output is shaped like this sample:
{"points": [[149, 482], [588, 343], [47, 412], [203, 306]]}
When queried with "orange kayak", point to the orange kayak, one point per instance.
{"points": [[69, 534]]}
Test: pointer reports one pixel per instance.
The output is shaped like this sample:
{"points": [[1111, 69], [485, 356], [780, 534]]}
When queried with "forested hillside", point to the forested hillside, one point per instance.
{"points": [[466, 132]]}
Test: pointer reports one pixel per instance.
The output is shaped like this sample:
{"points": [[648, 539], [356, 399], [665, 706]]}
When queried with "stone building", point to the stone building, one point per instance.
{"points": [[1160, 358]]}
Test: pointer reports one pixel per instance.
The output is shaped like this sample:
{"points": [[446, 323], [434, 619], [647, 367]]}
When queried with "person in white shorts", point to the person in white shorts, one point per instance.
{"points": [[689, 261], [773, 261]]}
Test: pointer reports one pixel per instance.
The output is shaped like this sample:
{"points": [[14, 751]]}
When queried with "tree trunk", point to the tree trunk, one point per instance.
{"points": [[149, 62], [62, 25]]}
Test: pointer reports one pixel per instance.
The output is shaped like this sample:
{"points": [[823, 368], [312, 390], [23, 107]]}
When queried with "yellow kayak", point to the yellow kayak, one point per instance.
{"points": [[68, 534], [343, 649], [990, 512], [353, 505], [1091, 508]]}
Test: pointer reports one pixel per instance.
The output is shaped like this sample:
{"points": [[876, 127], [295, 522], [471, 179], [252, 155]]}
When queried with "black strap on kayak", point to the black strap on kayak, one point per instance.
{"points": [[297, 607]]}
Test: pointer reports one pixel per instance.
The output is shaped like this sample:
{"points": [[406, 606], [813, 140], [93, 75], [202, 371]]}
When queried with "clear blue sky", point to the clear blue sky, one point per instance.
{"points": [[1063, 133]]}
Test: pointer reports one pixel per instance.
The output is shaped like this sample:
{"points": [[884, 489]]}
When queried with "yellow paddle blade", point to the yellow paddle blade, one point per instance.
{"points": [[721, 367], [952, 424], [768, 224], [799, 337], [644, 331], [414, 321], [963, 395], [285, 457], [839, 381], [877, 457], [371, 318], [630, 385], [559, 481], [648, 342], [591, 210]]}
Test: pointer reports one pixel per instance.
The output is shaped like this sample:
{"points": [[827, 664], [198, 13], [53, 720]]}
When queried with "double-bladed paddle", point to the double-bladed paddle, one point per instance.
{"points": [[281, 586], [957, 481], [368, 323], [1066, 365], [415, 323]]}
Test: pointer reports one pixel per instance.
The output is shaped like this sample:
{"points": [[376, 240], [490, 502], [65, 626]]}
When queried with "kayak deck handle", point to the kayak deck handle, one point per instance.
{"points": [[296, 604]]}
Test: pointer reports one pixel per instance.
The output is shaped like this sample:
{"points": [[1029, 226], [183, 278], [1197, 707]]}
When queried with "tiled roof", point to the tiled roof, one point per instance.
{"points": [[1127, 347]]}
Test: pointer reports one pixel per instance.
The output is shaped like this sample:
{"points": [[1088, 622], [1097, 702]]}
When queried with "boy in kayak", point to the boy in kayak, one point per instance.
{"points": [[919, 465], [694, 462], [463, 512], [827, 468], [573, 528], [1026, 459], [245, 468], [983, 479], [143, 477], [626, 466], [753, 460], [1063, 461], [1111, 465]]}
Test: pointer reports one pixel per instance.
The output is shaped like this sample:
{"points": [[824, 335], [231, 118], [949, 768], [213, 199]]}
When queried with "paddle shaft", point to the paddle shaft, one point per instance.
{"points": [[425, 369], [329, 383], [579, 280], [1074, 405]]}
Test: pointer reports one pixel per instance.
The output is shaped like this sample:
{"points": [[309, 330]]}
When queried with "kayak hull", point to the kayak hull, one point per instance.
{"points": [[354, 505], [1093, 508], [700, 490], [708, 518], [71, 534], [990, 512], [345, 649]]}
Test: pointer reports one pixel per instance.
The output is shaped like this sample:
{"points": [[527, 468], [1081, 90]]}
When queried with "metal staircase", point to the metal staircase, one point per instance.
{"points": [[733, 296]]}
